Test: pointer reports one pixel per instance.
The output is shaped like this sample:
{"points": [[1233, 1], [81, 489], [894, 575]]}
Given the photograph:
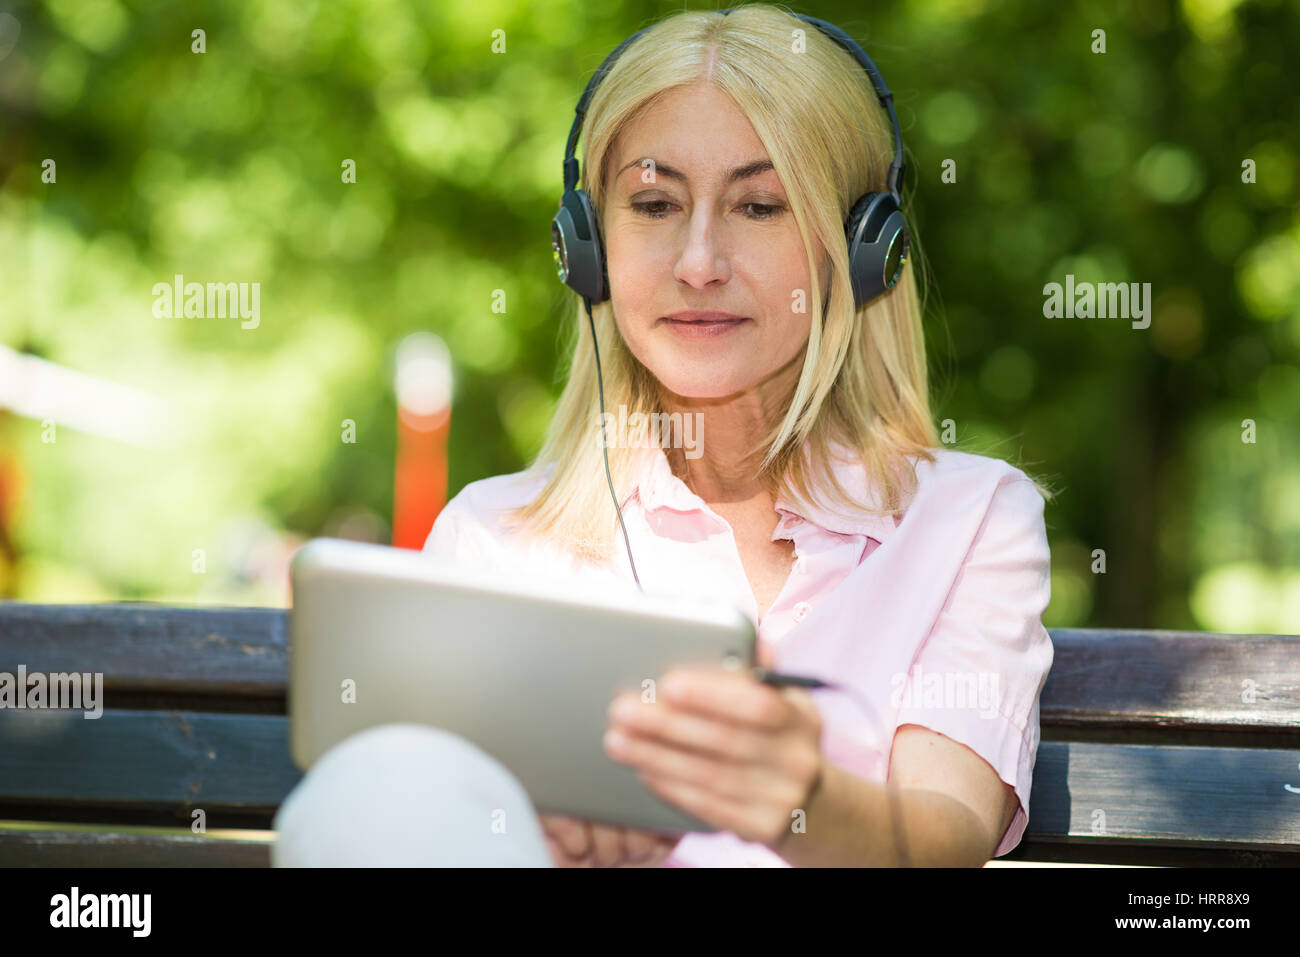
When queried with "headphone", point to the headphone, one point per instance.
{"points": [[878, 236]]}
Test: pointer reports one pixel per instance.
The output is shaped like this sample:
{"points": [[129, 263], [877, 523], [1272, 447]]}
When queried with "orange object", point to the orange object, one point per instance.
{"points": [[420, 489], [11, 487]]}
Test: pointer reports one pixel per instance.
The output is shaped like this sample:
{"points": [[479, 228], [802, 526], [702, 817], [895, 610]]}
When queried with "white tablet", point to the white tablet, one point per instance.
{"points": [[526, 670]]}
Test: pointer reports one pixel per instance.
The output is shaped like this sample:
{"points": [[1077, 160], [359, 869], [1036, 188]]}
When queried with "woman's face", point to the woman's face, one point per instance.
{"points": [[694, 222]]}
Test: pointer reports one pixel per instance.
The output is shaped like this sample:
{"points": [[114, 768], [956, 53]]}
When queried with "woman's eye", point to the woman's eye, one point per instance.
{"points": [[770, 211], [761, 211], [643, 209]]}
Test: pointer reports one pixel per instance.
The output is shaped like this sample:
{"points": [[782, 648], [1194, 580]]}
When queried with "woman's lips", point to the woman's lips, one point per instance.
{"points": [[703, 329]]}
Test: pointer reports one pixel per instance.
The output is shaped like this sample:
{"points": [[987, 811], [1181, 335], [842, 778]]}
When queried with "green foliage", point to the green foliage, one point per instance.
{"points": [[1123, 166]]}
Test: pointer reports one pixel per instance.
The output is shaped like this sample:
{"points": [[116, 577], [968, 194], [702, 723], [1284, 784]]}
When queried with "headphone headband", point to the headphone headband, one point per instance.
{"points": [[894, 182]]}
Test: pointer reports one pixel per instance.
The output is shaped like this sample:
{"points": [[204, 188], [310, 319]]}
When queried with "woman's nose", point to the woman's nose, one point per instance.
{"points": [[703, 258]]}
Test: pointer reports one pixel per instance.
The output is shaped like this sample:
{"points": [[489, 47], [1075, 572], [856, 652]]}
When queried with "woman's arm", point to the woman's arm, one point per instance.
{"points": [[744, 757], [943, 806]]}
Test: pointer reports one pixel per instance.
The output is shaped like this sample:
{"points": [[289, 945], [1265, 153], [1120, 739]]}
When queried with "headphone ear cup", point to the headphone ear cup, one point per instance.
{"points": [[879, 241], [576, 243]]}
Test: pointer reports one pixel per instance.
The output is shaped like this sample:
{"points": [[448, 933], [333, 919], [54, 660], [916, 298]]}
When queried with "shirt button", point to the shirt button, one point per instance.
{"points": [[801, 610]]}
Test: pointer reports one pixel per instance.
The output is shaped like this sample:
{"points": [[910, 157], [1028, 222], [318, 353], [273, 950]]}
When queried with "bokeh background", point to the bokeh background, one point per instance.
{"points": [[1175, 449]]}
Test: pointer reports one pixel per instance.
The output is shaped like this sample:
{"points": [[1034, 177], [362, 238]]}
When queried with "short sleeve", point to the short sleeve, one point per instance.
{"points": [[977, 677]]}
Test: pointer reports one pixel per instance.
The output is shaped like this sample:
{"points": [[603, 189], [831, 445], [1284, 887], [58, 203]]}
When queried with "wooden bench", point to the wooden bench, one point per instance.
{"points": [[1164, 748]]}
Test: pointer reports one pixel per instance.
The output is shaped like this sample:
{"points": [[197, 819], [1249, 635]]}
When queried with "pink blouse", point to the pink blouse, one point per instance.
{"points": [[934, 619]]}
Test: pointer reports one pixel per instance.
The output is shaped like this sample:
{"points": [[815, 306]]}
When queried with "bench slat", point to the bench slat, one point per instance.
{"points": [[45, 848], [237, 767], [141, 647], [1212, 796], [148, 765], [204, 659], [114, 849], [1172, 680]]}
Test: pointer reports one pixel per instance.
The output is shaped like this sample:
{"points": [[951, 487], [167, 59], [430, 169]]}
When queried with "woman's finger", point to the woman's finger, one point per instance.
{"points": [[577, 843], [570, 834], [558, 857], [640, 845], [607, 843], [662, 850]]}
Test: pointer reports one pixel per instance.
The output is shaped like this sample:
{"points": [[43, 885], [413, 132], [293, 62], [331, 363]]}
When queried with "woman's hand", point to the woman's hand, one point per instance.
{"points": [[575, 843], [721, 745]]}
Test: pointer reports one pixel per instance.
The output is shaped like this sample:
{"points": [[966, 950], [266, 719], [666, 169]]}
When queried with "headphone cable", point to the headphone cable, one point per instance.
{"points": [[771, 678], [762, 674], [604, 445]]}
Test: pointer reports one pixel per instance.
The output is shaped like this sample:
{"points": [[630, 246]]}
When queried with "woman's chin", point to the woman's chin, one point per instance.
{"points": [[705, 384]]}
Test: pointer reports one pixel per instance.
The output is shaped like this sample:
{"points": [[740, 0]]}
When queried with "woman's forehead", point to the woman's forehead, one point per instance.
{"points": [[697, 129], [715, 169]]}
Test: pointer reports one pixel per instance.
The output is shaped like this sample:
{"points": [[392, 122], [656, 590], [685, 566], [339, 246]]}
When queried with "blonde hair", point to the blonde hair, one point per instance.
{"points": [[864, 381]]}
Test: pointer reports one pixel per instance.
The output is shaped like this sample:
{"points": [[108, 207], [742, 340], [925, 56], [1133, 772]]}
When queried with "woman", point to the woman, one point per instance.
{"points": [[722, 154]]}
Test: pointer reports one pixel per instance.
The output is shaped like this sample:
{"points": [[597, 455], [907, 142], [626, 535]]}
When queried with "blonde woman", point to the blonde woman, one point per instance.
{"points": [[792, 466]]}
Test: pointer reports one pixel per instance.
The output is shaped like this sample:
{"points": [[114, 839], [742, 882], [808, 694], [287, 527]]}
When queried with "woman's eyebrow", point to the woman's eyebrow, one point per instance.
{"points": [[752, 168]]}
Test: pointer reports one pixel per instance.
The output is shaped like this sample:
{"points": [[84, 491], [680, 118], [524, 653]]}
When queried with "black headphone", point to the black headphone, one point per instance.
{"points": [[875, 230], [877, 234]]}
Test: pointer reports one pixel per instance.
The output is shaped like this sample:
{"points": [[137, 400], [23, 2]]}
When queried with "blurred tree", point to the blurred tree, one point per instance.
{"points": [[378, 170]]}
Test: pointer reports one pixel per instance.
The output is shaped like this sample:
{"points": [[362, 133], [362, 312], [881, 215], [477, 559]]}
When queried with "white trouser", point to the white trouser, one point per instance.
{"points": [[408, 795]]}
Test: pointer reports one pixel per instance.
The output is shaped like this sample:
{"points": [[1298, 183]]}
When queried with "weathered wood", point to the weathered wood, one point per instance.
{"points": [[1117, 711], [1145, 854], [1167, 681], [144, 649], [1205, 797], [1155, 684], [145, 766], [19, 848], [159, 766]]}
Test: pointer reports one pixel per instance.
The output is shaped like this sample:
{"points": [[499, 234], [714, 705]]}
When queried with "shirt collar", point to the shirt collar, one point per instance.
{"points": [[657, 487]]}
